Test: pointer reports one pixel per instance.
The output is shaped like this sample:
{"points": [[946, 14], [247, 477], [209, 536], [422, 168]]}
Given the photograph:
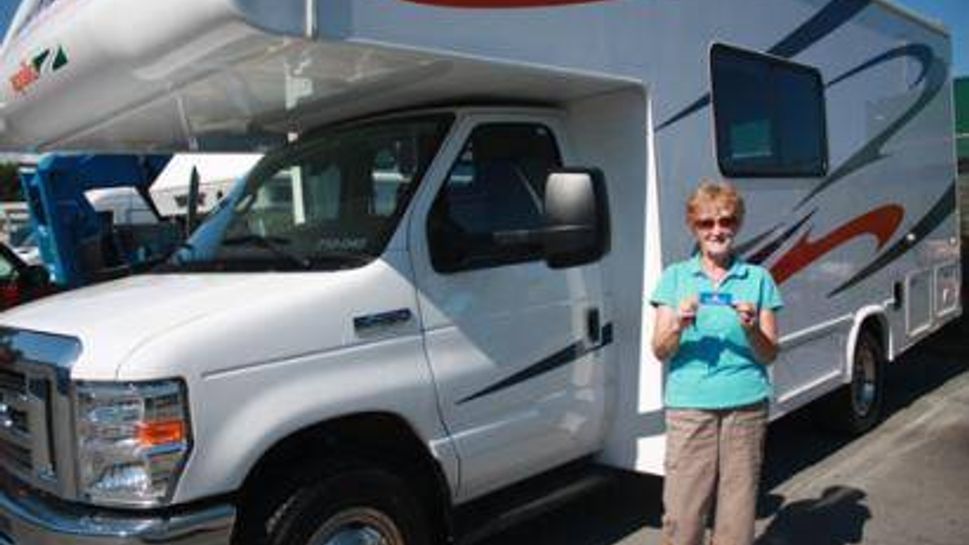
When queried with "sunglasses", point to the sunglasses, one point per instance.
{"points": [[725, 222]]}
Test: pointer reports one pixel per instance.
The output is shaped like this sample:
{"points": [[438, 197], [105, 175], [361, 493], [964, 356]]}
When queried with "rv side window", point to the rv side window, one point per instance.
{"points": [[495, 187], [770, 117]]}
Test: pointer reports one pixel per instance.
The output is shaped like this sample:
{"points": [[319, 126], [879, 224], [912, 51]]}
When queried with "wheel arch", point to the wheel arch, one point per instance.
{"points": [[380, 439], [870, 319]]}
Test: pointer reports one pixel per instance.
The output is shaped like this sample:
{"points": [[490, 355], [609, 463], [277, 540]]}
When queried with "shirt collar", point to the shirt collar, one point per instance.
{"points": [[738, 269]]}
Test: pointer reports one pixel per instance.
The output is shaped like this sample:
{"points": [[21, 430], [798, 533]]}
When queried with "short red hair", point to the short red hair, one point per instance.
{"points": [[722, 195]]}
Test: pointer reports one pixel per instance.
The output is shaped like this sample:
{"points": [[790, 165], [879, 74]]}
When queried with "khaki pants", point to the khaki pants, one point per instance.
{"points": [[712, 454]]}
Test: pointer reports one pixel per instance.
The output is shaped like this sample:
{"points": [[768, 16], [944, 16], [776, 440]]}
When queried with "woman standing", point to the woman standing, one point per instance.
{"points": [[715, 326]]}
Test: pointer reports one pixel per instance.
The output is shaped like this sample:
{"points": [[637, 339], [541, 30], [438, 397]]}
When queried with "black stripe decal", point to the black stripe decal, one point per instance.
{"points": [[748, 245], [934, 71], [942, 209], [921, 52], [823, 23], [563, 357], [826, 21], [768, 250], [700, 104]]}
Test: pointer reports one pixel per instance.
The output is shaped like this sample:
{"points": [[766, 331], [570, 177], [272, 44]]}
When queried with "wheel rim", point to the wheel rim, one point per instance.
{"points": [[863, 389], [358, 526]]}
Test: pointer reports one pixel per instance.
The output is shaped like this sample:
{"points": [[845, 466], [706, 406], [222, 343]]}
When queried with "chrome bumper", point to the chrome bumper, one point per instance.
{"points": [[28, 519]]}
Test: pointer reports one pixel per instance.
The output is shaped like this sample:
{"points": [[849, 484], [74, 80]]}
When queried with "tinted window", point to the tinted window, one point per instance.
{"points": [[492, 199], [331, 200], [769, 115]]}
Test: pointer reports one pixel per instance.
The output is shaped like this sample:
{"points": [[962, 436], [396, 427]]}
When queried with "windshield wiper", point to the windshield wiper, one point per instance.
{"points": [[272, 243]]}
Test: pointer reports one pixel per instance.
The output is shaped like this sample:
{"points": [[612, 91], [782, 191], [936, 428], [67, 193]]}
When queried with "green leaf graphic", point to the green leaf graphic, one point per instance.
{"points": [[60, 59], [39, 59]]}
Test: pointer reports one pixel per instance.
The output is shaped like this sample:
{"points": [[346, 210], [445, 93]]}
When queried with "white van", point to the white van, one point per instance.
{"points": [[440, 288], [124, 205]]}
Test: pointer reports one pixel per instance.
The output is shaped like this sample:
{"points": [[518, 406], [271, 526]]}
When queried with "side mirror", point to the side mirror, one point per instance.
{"points": [[576, 218]]}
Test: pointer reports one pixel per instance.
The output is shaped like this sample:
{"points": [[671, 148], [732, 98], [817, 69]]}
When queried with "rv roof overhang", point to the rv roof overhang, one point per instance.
{"points": [[254, 88]]}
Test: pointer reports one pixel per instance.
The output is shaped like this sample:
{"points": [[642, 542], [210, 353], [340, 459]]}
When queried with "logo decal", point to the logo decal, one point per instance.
{"points": [[47, 61], [880, 223]]}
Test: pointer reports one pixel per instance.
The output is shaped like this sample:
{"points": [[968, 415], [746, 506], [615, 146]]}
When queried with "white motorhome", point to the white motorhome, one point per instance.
{"points": [[439, 289]]}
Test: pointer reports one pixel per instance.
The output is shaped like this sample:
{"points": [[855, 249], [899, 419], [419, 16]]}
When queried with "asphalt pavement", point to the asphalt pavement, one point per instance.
{"points": [[904, 483]]}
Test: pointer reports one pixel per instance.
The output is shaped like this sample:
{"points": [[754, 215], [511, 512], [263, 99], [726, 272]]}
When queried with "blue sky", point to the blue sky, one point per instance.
{"points": [[953, 13], [7, 7]]}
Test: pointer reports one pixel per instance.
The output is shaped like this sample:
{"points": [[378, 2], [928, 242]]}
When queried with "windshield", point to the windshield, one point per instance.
{"points": [[330, 201]]}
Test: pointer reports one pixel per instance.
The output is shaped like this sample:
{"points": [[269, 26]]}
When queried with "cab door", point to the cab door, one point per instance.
{"points": [[515, 347]]}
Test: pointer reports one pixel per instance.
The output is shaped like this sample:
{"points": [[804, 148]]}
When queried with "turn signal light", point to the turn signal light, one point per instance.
{"points": [[152, 434]]}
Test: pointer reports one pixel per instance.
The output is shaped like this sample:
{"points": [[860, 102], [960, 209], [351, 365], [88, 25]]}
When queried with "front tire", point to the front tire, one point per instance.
{"points": [[354, 507]]}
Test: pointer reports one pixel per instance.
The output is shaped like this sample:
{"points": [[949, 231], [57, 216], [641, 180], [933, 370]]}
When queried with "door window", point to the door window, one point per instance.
{"points": [[491, 202]]}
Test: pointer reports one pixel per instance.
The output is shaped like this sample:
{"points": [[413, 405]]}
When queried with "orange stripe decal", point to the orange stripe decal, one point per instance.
{"points": [[881, 223]]}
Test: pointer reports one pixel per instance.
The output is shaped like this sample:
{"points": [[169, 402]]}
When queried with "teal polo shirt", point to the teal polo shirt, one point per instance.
{"points": [[715, 367]]}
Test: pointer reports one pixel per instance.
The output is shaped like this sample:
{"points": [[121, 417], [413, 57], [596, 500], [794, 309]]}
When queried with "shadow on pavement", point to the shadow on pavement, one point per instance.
{"points": [[836, 518], [623, 507]]}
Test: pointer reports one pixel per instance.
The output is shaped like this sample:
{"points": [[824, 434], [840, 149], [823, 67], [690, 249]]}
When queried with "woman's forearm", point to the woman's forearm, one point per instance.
{"points": [[765, 350], [666, 340]]}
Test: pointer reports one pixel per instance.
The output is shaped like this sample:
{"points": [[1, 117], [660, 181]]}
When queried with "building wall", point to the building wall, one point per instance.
{"points": [[964, 206]]}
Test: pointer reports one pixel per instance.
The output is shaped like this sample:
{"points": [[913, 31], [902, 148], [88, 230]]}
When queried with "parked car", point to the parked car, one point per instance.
{"points": [[19, 281]]}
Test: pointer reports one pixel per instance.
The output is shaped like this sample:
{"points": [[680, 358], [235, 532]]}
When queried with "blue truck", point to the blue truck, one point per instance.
{"points": [[80, 245]]}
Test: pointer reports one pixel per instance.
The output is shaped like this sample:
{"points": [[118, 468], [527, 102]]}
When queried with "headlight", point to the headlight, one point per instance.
{"points": [[132, 441]]}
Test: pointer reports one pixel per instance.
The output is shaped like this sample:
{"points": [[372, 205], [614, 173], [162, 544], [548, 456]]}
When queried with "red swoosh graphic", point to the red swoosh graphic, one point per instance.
{"points": [[500, 3], [880, 222]]}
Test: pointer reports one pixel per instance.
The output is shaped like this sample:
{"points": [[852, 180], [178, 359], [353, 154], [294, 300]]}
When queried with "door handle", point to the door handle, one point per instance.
{"points": [[593, 324], [381, 319]]}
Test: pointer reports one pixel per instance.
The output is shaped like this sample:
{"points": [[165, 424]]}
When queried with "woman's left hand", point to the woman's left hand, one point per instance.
{"points": [[761, 329], [747, 312]]}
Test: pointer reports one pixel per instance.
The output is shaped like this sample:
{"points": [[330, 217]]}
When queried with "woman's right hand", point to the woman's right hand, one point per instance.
{"points": [[686, 313], [670, 323]]}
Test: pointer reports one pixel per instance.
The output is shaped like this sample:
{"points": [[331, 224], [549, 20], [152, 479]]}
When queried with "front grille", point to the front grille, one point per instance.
{"points": [[35, 433], [13, 382], [15, 432], [26, 425], [16, 455]]}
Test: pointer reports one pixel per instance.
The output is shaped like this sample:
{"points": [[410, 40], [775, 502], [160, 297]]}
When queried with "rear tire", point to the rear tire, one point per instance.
{"points": [[856, 407], [353, 507]]}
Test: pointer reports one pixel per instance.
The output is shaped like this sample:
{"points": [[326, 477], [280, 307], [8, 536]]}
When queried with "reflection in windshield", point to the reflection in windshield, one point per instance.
{"points": [[332, 200]]}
